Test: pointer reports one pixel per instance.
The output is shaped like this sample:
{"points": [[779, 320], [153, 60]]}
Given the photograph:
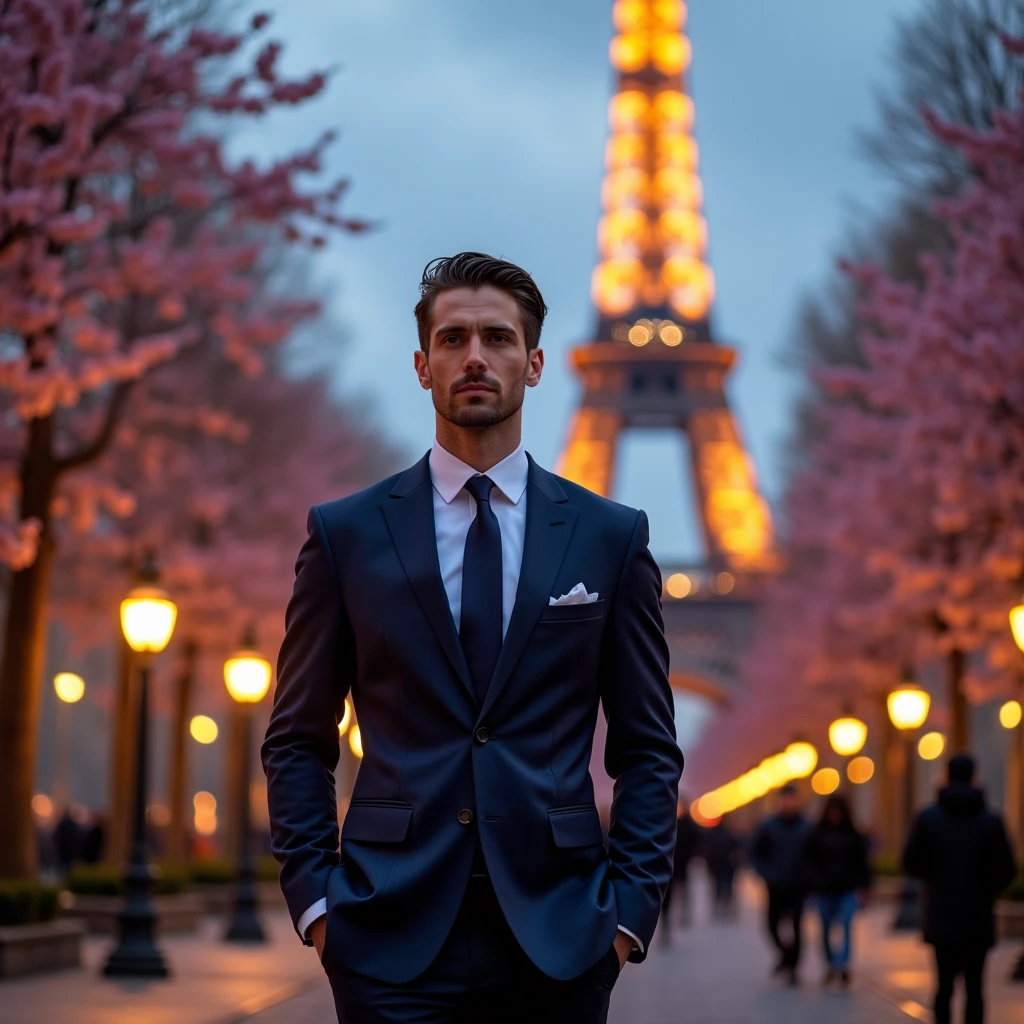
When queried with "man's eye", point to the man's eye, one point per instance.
{"points": [[451, 337], [499, 337]]}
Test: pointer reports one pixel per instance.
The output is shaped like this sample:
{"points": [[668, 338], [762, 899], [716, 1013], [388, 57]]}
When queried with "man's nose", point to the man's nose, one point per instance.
{"points": [[475, 355]]}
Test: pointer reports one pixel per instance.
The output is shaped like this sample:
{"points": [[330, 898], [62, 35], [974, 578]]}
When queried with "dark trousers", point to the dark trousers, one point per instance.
{"points": [[786, 904], [951, 961], [481, 976]]}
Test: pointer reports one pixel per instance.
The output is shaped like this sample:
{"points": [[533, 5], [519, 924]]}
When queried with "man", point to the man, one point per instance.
{"points": [[778, 855], [961, 852], [722, 855], [687, 839], [478, 609]]}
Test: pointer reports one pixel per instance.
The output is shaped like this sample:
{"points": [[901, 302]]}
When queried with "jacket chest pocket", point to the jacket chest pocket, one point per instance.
{"points": [[572, 613]]}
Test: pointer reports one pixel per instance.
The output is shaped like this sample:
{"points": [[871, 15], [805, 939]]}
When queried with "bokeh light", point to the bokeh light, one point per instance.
{"points": [[825, 781], [860, 770], [678, 585], [70, 687], [204, 806], [42, 805], [203, 729], [931, 745], [1010, 714], [801, 757]]}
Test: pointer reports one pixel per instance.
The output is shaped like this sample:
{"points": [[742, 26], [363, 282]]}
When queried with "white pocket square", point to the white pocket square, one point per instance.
{"points": [[578, 595]]}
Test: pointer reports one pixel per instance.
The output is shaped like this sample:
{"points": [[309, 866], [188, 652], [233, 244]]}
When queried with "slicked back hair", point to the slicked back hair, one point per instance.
{"points": [[475, 270]]}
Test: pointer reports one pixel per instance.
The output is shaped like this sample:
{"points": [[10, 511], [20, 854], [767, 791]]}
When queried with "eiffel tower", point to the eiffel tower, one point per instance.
{"points": [[654, 362]]}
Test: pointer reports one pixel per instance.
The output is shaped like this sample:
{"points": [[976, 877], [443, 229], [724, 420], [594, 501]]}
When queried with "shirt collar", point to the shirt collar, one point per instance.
{"points": [[449, 474]]}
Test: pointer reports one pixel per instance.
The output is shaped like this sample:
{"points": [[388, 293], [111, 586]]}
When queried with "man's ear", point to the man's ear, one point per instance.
{"points": [[419, 361], [535, 367]]}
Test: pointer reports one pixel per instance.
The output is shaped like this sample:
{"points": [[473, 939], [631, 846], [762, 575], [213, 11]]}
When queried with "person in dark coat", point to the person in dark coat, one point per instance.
{"points": [[779, 855], [838, 871], [67, 841], [962, 854], [722, 854], [687, 837]]}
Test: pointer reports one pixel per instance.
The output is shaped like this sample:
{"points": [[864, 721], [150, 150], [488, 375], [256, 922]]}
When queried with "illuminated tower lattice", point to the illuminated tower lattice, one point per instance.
{"points": [[654, 362]]}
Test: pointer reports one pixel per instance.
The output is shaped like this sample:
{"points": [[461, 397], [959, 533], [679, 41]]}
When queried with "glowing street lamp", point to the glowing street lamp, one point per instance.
{"points": [[148, 616], [247, 676], [801, 759], [909, 705], [847, 735], [1017, 624]]}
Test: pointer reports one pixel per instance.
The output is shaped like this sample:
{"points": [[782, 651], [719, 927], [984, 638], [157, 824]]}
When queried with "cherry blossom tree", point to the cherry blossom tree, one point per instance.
{"points": [[222, 488], [127, 236], [907, 528]]}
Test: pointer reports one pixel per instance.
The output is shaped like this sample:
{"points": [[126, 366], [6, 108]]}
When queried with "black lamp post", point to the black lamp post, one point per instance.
{"points": [[908, 707], [147, 619], [247, 677]]}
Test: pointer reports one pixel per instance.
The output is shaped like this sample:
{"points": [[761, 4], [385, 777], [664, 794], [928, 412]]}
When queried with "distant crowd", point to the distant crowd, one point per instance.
{"points": [[77, 837], [957, 850]]}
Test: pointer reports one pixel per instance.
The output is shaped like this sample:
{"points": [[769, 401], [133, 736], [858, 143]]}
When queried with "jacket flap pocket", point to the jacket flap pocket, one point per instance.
{"points": [[575, 826], [376, 823], [564, 612]]}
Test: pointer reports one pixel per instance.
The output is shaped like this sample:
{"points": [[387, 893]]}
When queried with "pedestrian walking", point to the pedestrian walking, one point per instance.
{"points": [[839, 876], [68, 836], [478, 610], [962, 854], [723, 853], [687, 839], [779, 855]]}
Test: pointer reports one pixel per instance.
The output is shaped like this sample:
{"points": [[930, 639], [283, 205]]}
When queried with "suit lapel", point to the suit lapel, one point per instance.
{"points": [[549, 524], [409, 513]]}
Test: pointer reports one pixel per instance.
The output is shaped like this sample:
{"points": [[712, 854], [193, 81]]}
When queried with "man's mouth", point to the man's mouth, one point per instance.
{"points": [[474, 388]]}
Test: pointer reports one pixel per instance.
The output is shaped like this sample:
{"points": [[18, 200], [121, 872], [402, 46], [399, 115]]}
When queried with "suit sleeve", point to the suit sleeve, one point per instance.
{"points": [[641, 753], [301, 748]]}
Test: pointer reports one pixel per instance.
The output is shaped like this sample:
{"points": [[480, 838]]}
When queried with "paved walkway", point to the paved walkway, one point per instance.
{"points": [[713, 973], [211, 983]]}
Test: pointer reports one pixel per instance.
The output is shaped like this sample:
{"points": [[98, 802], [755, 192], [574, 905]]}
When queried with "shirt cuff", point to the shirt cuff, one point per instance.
{"points": [[636, 940], [309, 916]]}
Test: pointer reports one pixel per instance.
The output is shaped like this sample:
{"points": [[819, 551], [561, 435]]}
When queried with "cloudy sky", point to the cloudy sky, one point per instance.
{"points": [[469, 124]]}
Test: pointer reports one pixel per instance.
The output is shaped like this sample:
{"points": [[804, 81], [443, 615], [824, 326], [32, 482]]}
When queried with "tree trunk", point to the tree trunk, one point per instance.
{"points": [[22, 662], [959, 726], [178, 775], [122, 750]]}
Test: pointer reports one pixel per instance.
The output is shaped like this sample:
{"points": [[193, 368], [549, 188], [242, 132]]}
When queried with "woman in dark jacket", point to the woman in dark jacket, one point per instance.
{"points": [[837, 866]]}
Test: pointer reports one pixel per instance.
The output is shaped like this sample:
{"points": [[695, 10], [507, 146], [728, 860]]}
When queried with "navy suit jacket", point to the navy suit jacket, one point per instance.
{"points": [[369, 616]]}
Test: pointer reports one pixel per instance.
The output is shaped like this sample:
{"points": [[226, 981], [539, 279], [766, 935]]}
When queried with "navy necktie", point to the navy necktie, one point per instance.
{"points": [[480, 625]]}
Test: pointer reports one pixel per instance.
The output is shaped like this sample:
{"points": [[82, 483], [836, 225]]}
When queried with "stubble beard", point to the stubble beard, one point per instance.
{"points": [[480, 417]]}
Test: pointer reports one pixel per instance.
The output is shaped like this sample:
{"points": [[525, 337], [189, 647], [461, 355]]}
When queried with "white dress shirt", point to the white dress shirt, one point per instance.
{"points": [[454, 510]]}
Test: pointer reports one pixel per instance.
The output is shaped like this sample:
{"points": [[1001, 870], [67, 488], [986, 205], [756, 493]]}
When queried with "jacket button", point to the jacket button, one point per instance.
{"points": [[465, 816], [482, 735]]}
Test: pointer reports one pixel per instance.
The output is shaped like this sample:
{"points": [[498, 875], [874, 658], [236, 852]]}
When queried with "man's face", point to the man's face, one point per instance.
{"points": [[477, 367], [789, 804]]}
